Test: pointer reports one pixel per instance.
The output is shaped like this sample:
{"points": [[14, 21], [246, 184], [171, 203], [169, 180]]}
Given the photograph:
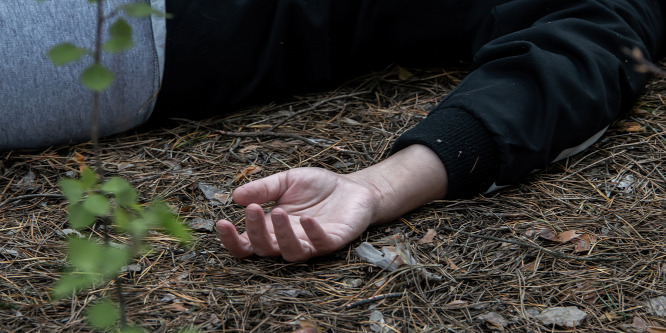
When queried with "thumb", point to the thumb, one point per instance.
{"points": [[262, 190]]}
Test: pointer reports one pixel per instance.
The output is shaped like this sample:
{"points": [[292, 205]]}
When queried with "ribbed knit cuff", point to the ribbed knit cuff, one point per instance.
{"points": [[466, 148]]}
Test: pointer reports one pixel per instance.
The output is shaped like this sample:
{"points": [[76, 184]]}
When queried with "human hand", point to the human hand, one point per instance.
{"points": [[316, 212]]}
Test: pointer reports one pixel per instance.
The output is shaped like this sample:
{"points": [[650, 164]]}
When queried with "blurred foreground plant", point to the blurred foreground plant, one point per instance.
{"points": [[112, 202]]}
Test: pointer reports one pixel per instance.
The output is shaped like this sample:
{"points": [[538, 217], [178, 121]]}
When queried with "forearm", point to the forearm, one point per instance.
{"points": [[403, 182]]}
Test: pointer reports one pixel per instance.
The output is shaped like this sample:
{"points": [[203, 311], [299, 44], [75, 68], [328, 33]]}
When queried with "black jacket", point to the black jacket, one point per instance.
{"points": [[548, 77]]}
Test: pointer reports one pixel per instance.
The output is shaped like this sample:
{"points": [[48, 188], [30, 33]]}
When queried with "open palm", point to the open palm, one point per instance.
{"points": [[316, 212]]}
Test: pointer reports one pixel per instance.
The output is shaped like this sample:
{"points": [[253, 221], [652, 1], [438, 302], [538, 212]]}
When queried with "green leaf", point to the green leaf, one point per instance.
{"points": [[142, 10], [79, 217], [113, 259], [103, 314], [121, 37], [121, 189], [97, 204], [85, 255], [96, 260], [171, 224], [88, 178], [96, 77], [138, 9], [65, 53], [121, 220], [71, 189], [71, 283]]}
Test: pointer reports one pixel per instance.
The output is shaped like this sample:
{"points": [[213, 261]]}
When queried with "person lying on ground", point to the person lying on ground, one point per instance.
{"points": [[547, 78]]}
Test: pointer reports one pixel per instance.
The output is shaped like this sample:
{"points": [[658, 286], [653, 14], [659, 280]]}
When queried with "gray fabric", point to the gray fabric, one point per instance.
{"points": [[41, 104], [159, 32]]}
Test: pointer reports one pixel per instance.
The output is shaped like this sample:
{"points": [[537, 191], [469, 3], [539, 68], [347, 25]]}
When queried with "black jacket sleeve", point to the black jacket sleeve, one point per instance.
{"points": [[549, 78]]}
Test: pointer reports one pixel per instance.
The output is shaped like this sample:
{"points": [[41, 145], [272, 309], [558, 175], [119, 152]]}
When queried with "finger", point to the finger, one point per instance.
{"points": [[292, 248], [238, 246], [262, 242], [320, 239], [260, 191]]}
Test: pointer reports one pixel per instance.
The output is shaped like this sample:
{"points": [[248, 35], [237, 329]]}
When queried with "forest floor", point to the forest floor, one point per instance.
{"points": [[588, 233]]}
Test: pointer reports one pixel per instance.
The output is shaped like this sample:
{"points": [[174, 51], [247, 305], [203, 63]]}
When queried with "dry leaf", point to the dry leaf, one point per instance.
{"points": [[176, 307], [584, 242], [186, 209], [495, 319], [222, 197], [199, 224], [632, 126], [214, 194], [307, 326], [545, 233], [568, 235], [404, 74], [610, 316], [428, 238], [639, 323], [656, 330], [657, 306], [531, 266], [251, 170], [248, 148], [78, 158], [452, 265], [569, 316]]}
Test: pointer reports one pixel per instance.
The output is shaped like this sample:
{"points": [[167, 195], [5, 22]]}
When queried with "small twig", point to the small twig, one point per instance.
{"points": [[289, 136], [316, 105], [533, 246], [373, 299], [29, 196]]}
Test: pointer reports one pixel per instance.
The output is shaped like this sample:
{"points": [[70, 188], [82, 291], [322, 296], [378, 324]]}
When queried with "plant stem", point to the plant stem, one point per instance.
{"points": [[121, 303], [94, 135], [97, 58]]}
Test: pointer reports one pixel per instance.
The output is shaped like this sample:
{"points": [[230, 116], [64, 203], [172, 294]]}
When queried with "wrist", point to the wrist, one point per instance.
{"points": [[403, 182]]}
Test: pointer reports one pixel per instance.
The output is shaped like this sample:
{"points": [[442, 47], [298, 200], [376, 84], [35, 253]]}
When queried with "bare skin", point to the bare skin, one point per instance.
{"points": [[317, 211]]}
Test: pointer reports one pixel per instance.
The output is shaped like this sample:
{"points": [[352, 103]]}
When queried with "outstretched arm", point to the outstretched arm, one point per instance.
{"points": [[317, 211]]}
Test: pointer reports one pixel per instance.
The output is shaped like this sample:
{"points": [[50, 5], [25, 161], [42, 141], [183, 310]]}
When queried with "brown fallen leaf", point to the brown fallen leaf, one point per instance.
{"points": [[543, 232], [632, 126], [453, 265], [568, 235], [656, 330], [639, 324], [404, 74], [80, 159], [530, 267], [428, 237], [307, 326], [584, 242], [251, 170], [248, 148], [495, 320], [610, 316], [176, 307]]}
